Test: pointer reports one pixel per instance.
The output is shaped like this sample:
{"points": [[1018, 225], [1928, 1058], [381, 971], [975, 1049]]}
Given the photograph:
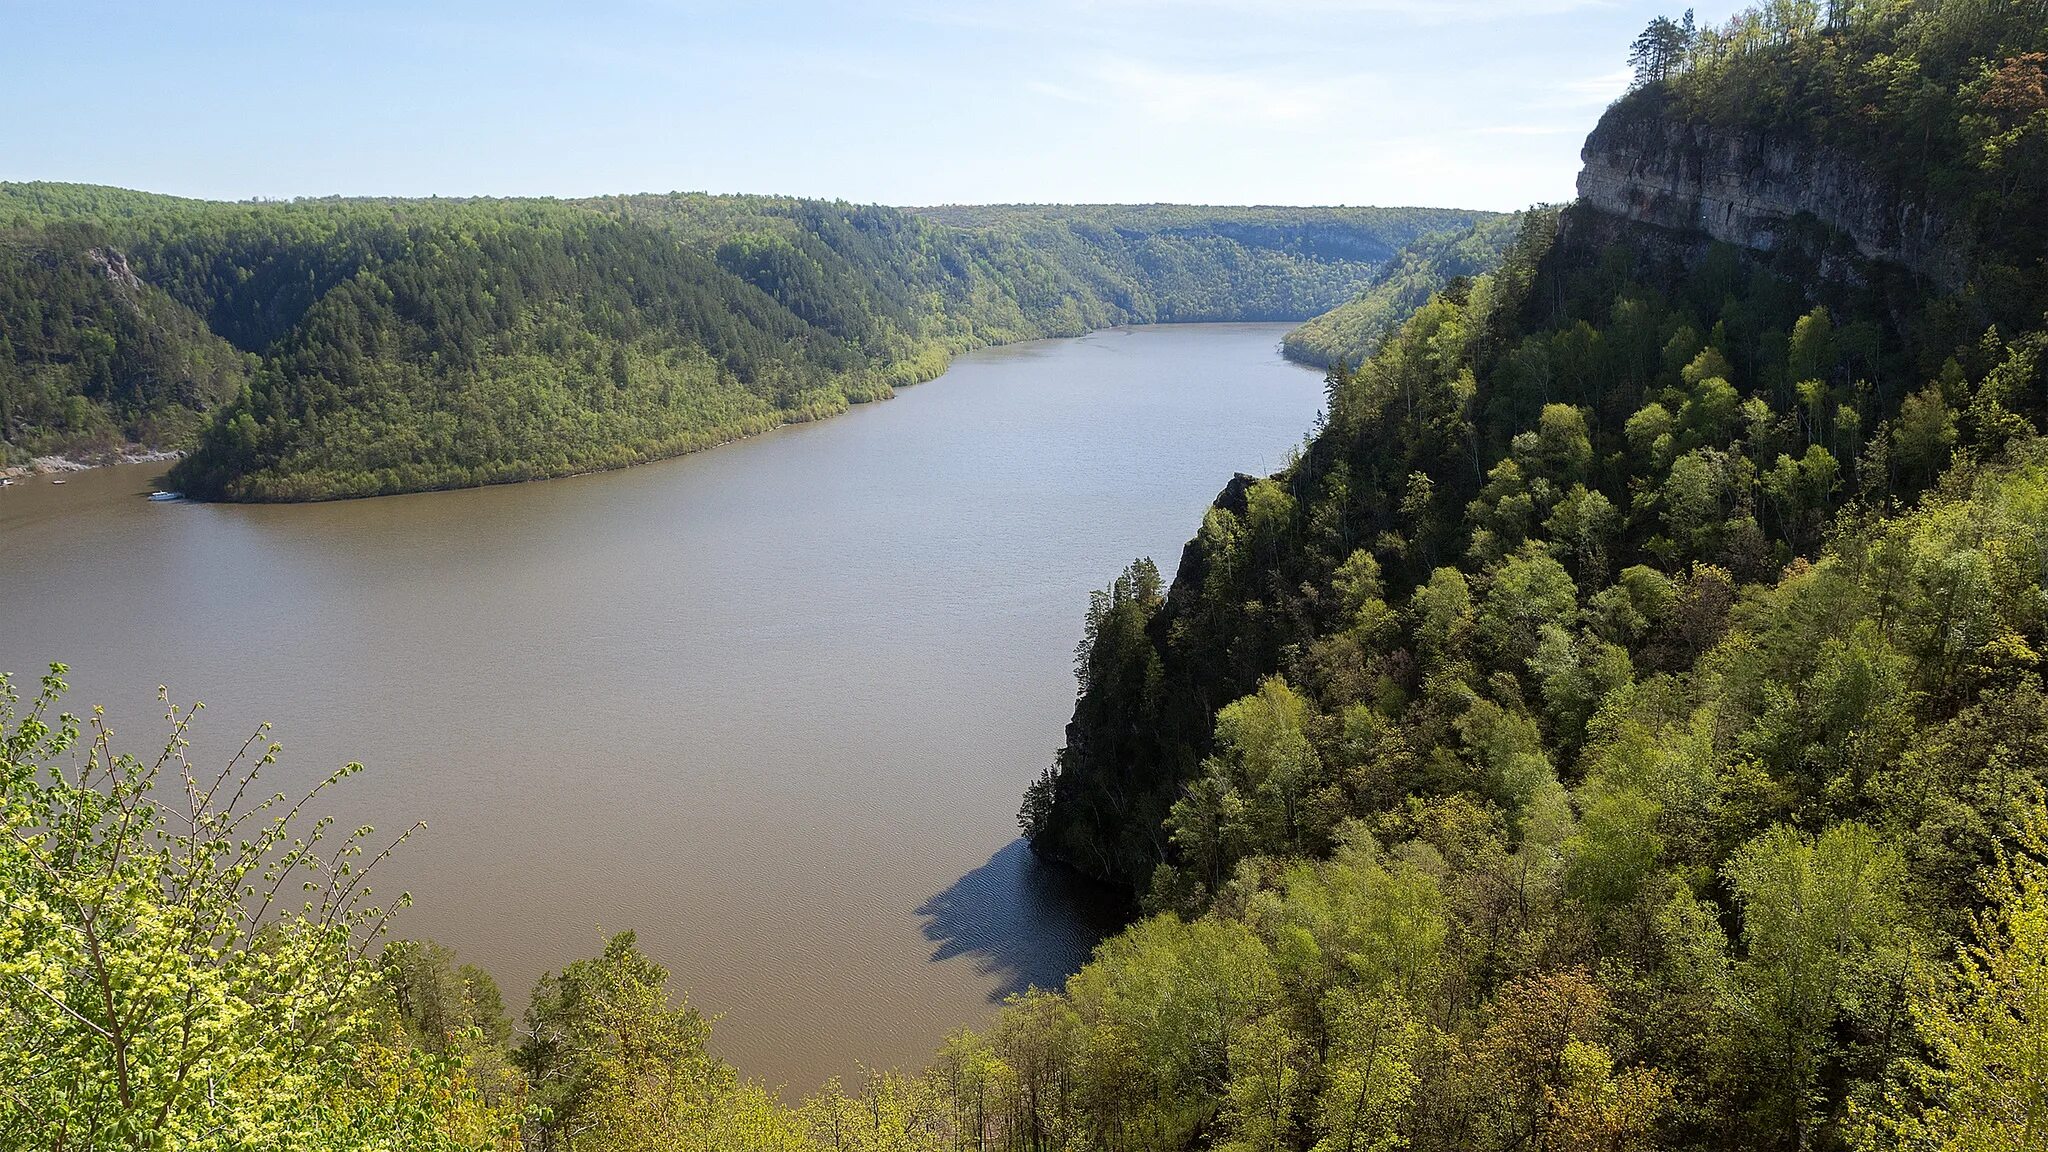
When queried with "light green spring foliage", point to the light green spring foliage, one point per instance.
{"points": [[1687, 940], [1254, 791], [1711, 896], [1352, 331], [157, 994], [182, 963], [1824, 927], [1677, 610], [1983, 1085]]}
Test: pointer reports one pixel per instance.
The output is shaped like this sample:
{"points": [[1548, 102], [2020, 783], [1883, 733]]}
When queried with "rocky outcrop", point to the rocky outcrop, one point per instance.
{"points": [[1194, 567], [1647, 163], [114, 266]]}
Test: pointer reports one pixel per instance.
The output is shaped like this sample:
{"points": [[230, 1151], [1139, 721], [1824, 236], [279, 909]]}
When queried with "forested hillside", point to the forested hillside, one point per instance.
{"points": [[1585, 703], [394, 345], [1204, 263], [1352, 331], [90, 356]]}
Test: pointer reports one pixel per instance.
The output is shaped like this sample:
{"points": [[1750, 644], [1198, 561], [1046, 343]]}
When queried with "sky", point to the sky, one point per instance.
{"points": [[1457, 103]]}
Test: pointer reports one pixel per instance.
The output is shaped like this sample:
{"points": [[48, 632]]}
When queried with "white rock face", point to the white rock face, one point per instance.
{"points": [[114, 266], [1745, 188]]}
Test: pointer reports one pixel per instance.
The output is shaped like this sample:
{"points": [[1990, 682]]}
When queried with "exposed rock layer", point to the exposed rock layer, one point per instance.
{"points": [[1647, 163]]}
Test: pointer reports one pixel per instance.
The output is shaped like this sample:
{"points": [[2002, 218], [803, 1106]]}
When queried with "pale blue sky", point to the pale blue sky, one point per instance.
{"points": [[1471, 103]]}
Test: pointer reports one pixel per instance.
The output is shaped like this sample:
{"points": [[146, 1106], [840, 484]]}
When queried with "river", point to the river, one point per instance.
{"points": [[771, 705]]}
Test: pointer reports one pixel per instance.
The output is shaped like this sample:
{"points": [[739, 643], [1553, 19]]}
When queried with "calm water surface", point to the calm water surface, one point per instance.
{"points": [[771, 705]]}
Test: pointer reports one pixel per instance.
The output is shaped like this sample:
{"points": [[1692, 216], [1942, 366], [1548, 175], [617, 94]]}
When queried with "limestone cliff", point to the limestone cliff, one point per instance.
{"points": [[1649, 163]]}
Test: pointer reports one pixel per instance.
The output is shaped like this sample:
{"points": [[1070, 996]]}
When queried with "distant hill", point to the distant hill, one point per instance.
{"points": [[351, 347], [1352, 331]]}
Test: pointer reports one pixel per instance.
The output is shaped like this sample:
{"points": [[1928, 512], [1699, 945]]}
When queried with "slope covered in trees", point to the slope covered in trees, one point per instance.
{"points": [[1179, 263], [1594, 562], [393, 345], [90, 356], [1352, 331]]}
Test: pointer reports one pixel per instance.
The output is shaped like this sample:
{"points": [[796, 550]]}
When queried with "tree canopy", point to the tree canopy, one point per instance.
{"points": [[324, 348]]}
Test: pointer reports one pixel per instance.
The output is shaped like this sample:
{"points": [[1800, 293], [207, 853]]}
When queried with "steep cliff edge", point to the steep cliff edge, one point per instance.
{"points": [[1805, 273], [1650, 163]]}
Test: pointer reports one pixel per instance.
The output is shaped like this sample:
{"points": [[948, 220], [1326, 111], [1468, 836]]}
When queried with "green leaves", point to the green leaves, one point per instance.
{"points": [[156, 990], [1983, 1086], [1826, 938], [1253, 791]]}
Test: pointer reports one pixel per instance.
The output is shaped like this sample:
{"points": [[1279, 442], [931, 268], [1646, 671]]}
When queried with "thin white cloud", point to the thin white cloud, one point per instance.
{"points": [[1526, 129], [1433, 11], [1003, 15], [1177, 95], [1059, 92], [1591, 92]]}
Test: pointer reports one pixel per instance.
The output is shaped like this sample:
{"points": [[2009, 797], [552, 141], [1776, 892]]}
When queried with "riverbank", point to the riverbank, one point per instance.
{"points": [[59, 464], [631, 437]]}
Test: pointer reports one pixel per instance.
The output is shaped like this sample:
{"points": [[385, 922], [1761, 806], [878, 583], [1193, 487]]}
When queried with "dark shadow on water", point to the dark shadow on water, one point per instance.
{"points": [[1022, 921]]}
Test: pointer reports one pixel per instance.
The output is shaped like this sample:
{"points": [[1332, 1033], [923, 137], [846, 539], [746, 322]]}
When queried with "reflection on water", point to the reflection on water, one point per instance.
{"points": [[772, 705]]}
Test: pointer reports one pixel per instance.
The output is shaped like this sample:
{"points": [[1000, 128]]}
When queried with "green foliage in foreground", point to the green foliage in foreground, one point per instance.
{"points": [[181, 961], [326, 348], [1352, 331]]}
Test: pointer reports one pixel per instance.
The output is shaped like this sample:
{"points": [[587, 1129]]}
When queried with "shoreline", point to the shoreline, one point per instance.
{"points": [[59, 464], [718, 439]]}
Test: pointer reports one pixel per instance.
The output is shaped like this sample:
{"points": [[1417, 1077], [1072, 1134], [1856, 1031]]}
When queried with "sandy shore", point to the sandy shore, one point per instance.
{"points": [[133, 454]]}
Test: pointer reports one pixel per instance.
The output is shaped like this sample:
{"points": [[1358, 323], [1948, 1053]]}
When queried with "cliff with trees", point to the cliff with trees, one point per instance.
{"points": [[1615, 606]]}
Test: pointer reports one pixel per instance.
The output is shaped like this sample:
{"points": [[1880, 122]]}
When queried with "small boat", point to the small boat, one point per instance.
{"points": [[56, 481], [163, 496]]}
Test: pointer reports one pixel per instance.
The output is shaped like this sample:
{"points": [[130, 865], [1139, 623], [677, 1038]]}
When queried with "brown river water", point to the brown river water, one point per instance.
{"points": [[771, 705]]}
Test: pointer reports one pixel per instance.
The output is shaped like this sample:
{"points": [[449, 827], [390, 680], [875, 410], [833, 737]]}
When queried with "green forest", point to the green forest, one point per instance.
{"points": [[352, 347], [1623, 727], [1352, 331]]}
